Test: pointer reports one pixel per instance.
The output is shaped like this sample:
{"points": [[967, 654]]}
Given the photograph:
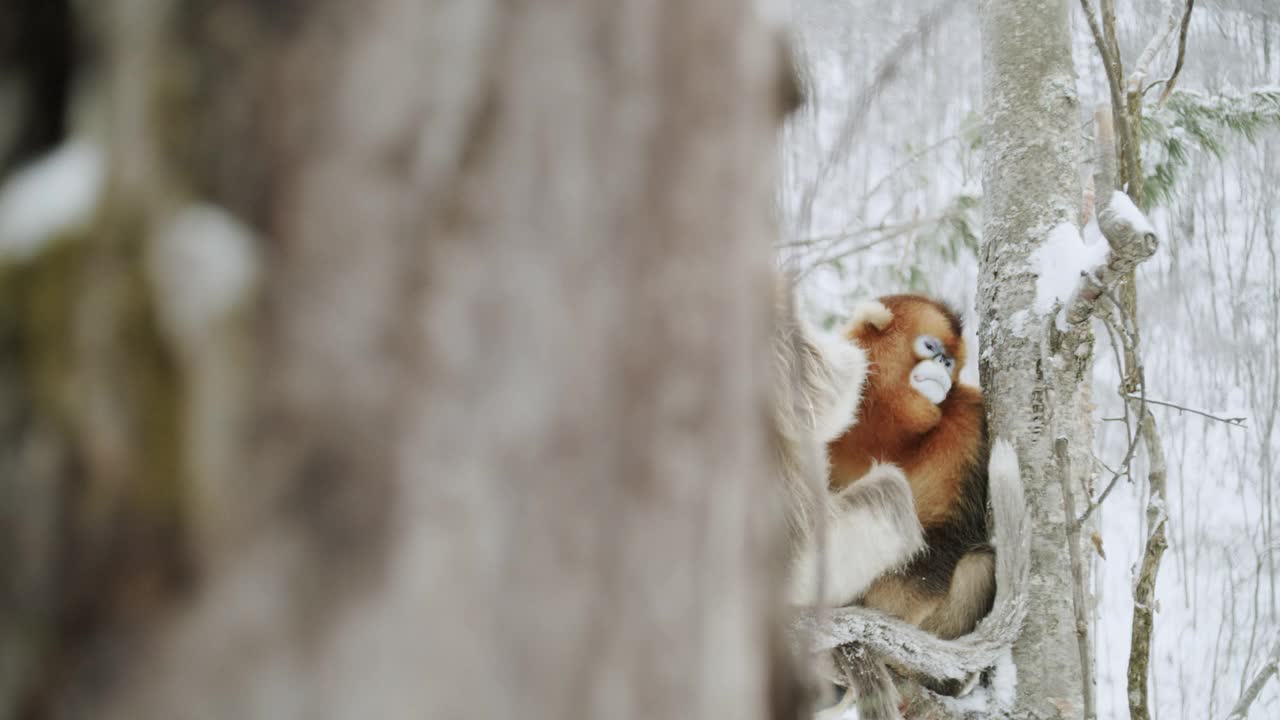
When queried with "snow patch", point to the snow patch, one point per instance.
{"points": [[1004, 680], [202, 265], [1124, 209], [1060, 262], [985, 700], [51, 194], [1018, 323]]}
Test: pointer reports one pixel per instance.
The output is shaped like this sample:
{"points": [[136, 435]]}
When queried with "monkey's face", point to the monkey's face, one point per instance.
{"points": [[932, 376], [917, 349], [936, 347]]}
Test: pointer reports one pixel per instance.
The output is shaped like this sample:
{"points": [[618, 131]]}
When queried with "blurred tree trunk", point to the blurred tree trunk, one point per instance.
{"points": [[1035, 378], [486, 440]]}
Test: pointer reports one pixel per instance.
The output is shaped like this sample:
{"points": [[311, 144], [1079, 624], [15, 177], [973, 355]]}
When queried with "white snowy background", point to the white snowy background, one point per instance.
{"points": [[899, 207]]}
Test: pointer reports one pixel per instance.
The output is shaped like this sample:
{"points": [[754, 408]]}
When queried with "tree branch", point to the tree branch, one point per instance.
{"points": [[1182, 53], [1233, 421], [1077, 578], [1109, 64], [1104, 39], [1265, 673], [1144, 592], [885, 72], [1142, 65], [1126, 229], [1113, 333], [1132, 239]]}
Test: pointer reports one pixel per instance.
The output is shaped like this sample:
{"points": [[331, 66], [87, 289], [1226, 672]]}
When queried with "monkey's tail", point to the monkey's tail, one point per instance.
{"points": [[1011, 532]]}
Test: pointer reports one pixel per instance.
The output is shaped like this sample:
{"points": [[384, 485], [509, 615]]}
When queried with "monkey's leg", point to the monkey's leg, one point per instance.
{"points": [[868, 679], [874, 530], [968, 600], [969, 597]]}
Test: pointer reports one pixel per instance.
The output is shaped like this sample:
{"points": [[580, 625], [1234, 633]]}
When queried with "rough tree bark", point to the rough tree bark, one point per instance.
{"points": [[1037, 359], [488, 440], [1035, 378]]}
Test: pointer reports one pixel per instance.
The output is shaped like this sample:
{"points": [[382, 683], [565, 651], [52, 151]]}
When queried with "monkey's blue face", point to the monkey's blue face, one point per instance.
{"points": [[931, 376]]}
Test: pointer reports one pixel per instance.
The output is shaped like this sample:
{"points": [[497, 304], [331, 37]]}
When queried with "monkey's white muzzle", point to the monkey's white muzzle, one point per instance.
{"points": [[931, 380]]}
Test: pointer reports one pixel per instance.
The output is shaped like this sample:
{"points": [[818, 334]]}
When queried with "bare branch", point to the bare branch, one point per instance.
{"points": [[1110, 65], [890, 231], [1144, 592], [826, 249], [1233, 421], [1115, 479], [1143, 64], [1109, 30], [1077, 578], [1113, 333], [885, 72], [1182, 53], [1265, 673], [1104, 39]]}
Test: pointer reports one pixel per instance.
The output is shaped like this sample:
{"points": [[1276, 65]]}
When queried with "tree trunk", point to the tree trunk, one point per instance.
{"points": [[487, 440], [1036, 379]]}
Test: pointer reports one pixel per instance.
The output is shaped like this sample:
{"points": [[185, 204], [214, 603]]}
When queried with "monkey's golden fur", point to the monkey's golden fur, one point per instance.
{"points": [[942, 449]]}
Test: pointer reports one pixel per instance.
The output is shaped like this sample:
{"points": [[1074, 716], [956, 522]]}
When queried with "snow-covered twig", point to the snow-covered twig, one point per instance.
{"points": [[1265, 673], [1126, 229]]}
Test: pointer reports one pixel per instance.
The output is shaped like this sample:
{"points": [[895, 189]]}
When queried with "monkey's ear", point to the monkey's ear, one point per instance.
{"points": [[871, 312]]}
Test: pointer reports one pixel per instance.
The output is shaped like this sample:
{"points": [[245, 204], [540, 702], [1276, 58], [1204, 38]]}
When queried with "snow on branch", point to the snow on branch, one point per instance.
{"points": [[52, 194], [1129, 234], [917, 651]]}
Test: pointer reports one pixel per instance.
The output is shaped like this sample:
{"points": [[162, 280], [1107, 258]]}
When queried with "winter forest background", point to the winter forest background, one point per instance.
{"points": [[396, 359], [900, 206]]}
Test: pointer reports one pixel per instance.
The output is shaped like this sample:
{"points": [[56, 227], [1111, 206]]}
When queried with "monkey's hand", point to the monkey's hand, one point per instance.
{"points": [[871, 312], [874, 530]]}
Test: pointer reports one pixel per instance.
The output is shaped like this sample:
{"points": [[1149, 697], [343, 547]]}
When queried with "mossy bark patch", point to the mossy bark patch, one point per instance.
{"points": [[87, 368]]}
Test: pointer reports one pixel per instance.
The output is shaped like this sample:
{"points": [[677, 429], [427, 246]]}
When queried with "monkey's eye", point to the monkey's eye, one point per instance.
{"points": [[927, 346], [949, 363]]}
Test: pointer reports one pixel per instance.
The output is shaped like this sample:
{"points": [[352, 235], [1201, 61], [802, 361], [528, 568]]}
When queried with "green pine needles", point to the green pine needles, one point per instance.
{"points": [[1192, 121]]}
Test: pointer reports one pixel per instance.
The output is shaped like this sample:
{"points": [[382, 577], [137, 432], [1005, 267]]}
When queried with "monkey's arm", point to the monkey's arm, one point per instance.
{"points": [[834, 372], [873, 530]]}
